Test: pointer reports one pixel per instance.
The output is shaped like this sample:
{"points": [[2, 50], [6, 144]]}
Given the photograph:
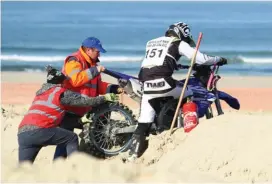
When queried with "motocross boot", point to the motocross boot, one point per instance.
{"points": [[137, 147], [139, 142]]}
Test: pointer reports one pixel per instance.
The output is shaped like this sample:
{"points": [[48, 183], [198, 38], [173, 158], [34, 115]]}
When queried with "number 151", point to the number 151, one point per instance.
{"points": [[153, 53]]}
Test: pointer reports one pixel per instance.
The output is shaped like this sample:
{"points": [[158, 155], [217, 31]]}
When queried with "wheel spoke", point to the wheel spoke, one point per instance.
{"points": [[97, 131], [101, 122], [102, 130], [108, 144], [101, 139], [104, 143], [101, 133], [108, 120]]}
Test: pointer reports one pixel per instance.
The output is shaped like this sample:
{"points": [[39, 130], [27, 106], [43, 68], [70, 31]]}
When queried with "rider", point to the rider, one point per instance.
{"points": [[162, 55]]}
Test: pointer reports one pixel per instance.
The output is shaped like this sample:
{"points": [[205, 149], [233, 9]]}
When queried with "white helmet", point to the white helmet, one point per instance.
{"points": [[182, 31]]}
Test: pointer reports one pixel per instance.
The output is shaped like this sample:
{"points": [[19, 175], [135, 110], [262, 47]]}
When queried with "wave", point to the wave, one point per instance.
{"points": [[40, 67], [255, 60], [50, 53], [16, 57], [245, 70], [118, 58], [242, 59]]}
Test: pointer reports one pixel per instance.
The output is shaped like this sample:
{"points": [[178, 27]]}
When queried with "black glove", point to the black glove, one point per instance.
{"points": [[122, 82], [222, 61], [180, 66]]}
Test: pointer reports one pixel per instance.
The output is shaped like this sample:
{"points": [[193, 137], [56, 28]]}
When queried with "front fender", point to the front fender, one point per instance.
{"points": [[230, 100]]}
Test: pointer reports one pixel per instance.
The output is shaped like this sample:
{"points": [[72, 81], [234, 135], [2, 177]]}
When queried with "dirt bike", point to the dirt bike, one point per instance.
{"points": [[109, 134]]}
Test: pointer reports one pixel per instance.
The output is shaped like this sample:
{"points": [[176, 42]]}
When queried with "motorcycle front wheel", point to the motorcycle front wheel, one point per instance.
{"points": [[98, 137]]}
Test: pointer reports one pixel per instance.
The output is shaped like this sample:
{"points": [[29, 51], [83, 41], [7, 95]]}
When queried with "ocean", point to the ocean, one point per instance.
{"points": [[35, 34]]}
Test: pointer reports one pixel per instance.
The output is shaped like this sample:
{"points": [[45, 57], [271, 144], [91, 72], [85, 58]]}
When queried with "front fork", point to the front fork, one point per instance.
{"points": [[217, 103], [212, 87], [209, 113]]}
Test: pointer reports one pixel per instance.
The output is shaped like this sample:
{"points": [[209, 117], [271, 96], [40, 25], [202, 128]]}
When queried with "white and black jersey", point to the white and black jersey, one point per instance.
{"points": [[162, 55]]}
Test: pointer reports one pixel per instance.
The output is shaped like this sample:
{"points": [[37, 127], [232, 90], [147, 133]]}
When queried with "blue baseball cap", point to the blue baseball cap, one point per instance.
{"points": [[92, 42]]}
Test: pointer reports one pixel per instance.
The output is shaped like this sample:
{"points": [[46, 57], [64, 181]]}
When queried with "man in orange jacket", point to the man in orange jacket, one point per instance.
{"points": [[84, 77]]}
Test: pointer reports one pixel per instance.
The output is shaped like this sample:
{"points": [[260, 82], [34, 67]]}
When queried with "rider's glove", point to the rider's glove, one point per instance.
{"points": [[111, 97], [222, 61], [179, 66]]}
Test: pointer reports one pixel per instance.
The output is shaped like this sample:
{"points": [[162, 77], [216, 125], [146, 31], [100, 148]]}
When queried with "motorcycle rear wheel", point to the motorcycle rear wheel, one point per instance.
{"points": [[166, 115]]}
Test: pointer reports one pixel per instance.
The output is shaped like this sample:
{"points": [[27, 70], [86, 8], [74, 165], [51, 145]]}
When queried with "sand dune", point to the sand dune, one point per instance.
{"points": [[234, 147]]}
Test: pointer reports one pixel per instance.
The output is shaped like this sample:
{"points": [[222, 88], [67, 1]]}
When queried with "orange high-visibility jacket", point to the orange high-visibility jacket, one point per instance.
{"points": [[46, 110], [83, 78]]}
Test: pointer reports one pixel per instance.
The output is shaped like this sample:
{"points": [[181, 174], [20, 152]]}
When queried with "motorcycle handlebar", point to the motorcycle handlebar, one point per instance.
{"points": [[180, 66]]}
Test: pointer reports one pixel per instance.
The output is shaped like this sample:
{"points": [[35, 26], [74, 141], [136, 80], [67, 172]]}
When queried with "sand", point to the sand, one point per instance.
{"points": [[234, 147]]}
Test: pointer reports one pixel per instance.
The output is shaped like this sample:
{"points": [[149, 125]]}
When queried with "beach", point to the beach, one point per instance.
{"points": [[233, 147]]}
